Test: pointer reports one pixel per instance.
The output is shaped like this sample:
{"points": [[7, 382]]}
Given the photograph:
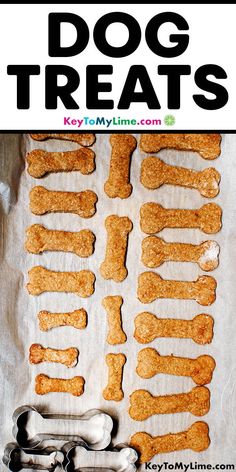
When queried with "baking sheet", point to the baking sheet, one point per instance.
{"points": [[19, 326]]}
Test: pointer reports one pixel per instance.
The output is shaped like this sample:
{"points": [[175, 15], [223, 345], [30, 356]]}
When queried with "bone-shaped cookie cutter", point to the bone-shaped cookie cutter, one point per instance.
{"points": [[16, 459], [155, 173], [156, 251], [195, 438], [143, 404], [154, 218], [80, 458], [31, 427], [84, 139]]}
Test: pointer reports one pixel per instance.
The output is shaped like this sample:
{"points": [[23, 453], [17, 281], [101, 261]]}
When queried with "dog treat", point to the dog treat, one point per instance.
{"points": [[143, 404], [81, 138], [41, 162], [152, 286], [45, 384], [40, 239], [150, 363], [113, 390], [118, 184], [155, 173], [38, 354], [112, 305], [44, 280], [195, 438], [155, 251], [207, 145], [49, 201], [148, 327], [118, 229], [76, 318], [154, 218]]}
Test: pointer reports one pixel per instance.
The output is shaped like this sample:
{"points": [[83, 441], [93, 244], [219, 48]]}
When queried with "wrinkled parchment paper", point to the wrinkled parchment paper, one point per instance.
{"points": [[19, 325]]}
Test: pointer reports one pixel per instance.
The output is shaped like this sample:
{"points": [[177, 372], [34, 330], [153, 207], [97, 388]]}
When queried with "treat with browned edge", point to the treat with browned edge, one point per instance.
{"points": [[195, 438], [44, 280], [156, 251], [113, 390], [38, 354], [149, 327], [45, 384], [40, 239], [77, 319], [118, 184], [118, 229], [112, 305], [84, 139], [207, 145], [152, 286], [155, 173], [154, 218], [41, 162], [50, 201], [150, 363], [143, 404]]}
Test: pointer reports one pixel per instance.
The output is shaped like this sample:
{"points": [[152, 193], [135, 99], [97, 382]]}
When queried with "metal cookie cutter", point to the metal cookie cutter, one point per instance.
{"points": [[16, 459], [31, 428], [80, 458]]}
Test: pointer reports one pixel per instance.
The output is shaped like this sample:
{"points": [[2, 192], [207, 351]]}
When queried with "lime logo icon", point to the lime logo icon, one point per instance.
{"points": [[169, 120]]}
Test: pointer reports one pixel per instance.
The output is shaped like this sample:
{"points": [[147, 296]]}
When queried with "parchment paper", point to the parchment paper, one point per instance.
{"points": [[19, 326]]}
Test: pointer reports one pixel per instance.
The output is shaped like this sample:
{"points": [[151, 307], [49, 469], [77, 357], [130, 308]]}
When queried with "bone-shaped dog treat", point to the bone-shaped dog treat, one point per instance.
{"points": [[155, 173], [45, 384], [81, 138], [44, 280], [113, 390], [152, 286], [49, 201], [17, 459], [118, 184], [76, 318], [118, 229], [81, 458], [207, 145], [154, 218], [155, 251], [112, 305], [195, 438], [38, 354], [40, 239], [148, 327], [143, 404], [150, 363], [41, 162]]}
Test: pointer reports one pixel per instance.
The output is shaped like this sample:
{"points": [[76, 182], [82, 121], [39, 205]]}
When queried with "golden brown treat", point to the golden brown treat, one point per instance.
{"points": [[154, 218], [118, 184], [40, 239], [41, 162], [150, 363], [44, 280], [195, 438], [148, 327], [81, 138], [112, 305], [45, 384], [118, 229], [152, 286], [50, 201], [113, 390], [155, 251], [155, 173], [38, 354], [76, 318], [143, 404], [207, 145]]}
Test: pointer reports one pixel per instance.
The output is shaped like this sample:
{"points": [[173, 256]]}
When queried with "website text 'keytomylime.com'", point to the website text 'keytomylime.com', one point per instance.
{"points": [[168, 120]]}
